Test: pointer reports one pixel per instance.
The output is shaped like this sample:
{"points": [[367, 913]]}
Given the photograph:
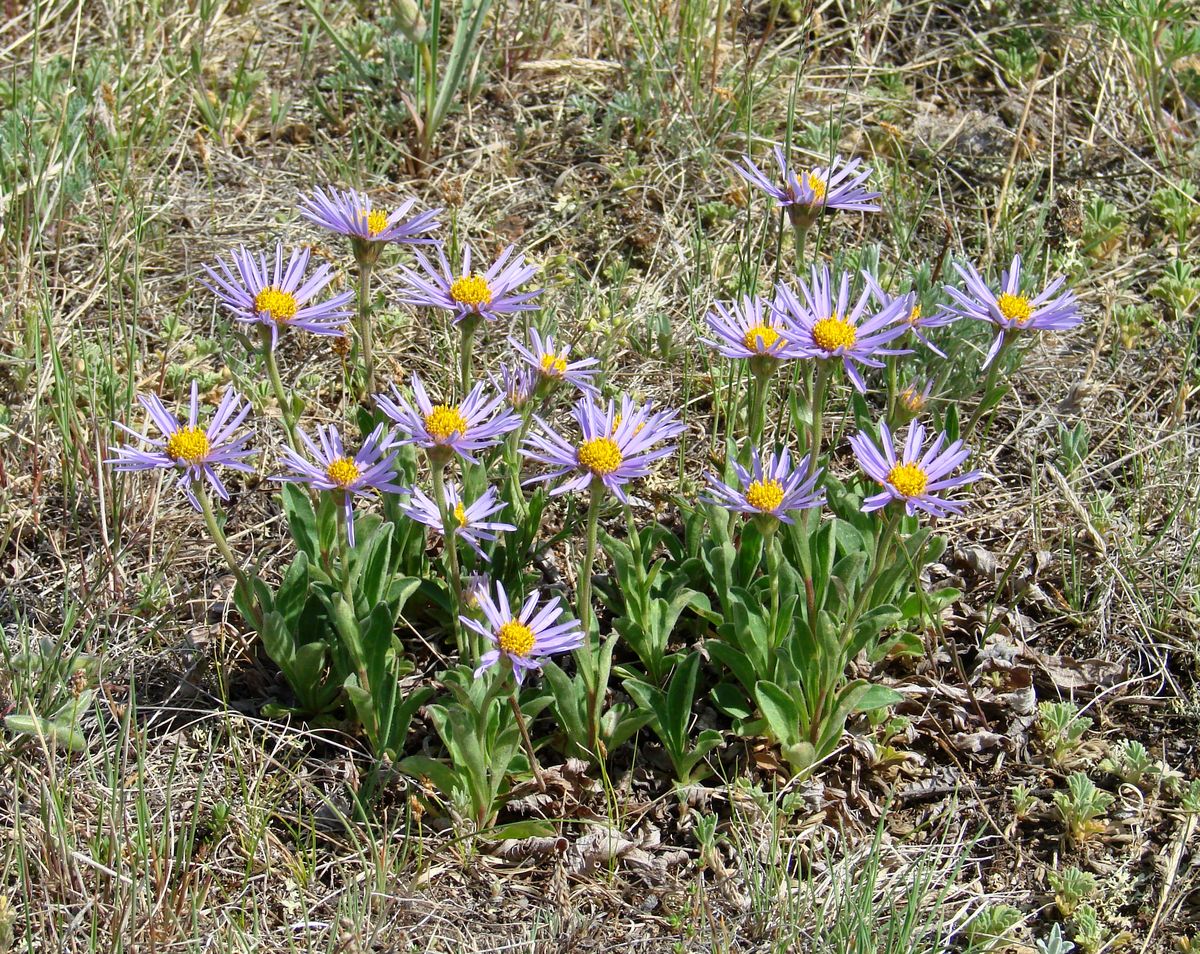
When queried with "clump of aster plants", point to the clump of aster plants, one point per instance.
{"points": [[421, 511]]}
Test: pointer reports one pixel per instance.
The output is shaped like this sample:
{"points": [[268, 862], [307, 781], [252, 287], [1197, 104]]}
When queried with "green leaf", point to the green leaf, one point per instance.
{"points": [[779, 710]]}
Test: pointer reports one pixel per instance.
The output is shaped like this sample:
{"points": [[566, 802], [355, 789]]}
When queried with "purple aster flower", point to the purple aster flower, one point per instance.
{"points": [[276, 298], [805, 195], [350, 213], [772, 488], [551, 364], [524, 636], [914, 320], [517, 383], [470, 521], [188, 448], [748, 328], [1011, 311], [475, 586], [465, 428], [613, 450], [488, 295], [333, 469], [915, 479], [827, 328]]}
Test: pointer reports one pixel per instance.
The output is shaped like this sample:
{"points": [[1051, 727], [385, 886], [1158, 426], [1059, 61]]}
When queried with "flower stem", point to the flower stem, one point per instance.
{"points": [[281, 396], [799, 235], [592, 648], [450, 549], [222, 544], [427, 130], [988, 383], [883, 548], [589, 558], [820, 385], [528, 742], [364, 327], [758, 409], [468, 325]]}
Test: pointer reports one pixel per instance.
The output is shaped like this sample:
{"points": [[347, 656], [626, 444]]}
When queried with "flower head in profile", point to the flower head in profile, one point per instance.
{"points": [[1013, 311], [612, 450], [518, 383], [522, 637], [771, 487], [476, 424], [193, 451], [916, 319], [749, 328], [916, 479], [255, 293], [352, 214], [810, 191], [913, 398], [826, 327], [466, 293], [550, 362], [333, 469], [470, 520]]}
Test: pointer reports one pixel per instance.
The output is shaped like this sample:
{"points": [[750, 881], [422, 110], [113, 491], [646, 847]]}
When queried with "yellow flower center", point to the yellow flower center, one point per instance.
{"points": [[343, 471], [759, 338], [471, 290], [515, 638], [765, 495], [188, 444], [600, 455], [833, 332], [377, 221], [553, 365], [277, 303], [909, 479], [817, 184], [915, 315], [460, 514], [1015, 307], [442, 421]]}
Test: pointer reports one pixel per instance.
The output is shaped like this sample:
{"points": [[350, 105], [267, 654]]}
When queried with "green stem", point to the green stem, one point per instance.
{"points": [[430, 90], [988, 383], [468, 326], [222, 545], [364, 327], [281, 396], [758, 409], [820, 385], [450, 549], [882, 552], [773, 578], [800, 236], [526, 740], [591, 647]]}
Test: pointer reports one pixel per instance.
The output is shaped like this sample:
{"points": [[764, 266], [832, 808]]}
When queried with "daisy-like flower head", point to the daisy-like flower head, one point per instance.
{"points": [[749, 328], [915, 319], [918, 480], [254, 293], [351, 213], [771, 488], [444, 429], [524, 637], [838, 186], [1011, 311], [333, 469], [470, 520], [474, 586], [193, 451], [468, 294], [613, 449], [826, 327], [551, 364], [517, 383]]}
